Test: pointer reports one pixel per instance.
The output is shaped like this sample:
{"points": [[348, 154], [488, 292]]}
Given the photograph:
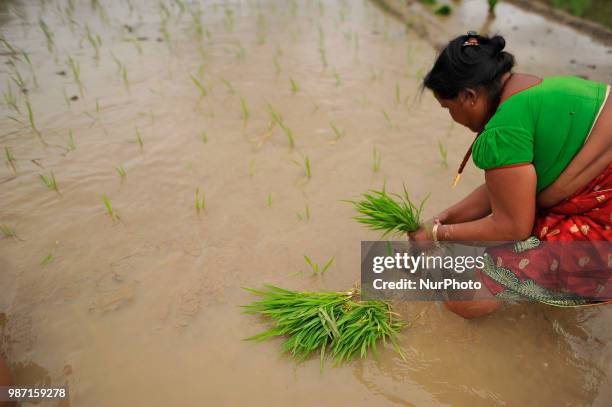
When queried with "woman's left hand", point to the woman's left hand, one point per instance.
{"points": [[422, 234]]}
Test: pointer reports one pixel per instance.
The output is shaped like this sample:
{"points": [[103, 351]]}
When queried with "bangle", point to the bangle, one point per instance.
{"points": [[434, 233]]}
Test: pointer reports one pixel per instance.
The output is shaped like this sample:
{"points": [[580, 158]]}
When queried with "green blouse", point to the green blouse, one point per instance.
{"points": [[545, 125]]}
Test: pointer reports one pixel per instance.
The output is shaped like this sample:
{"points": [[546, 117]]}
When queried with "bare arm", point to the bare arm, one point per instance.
{"points": [[474, 206], [511, 192]]}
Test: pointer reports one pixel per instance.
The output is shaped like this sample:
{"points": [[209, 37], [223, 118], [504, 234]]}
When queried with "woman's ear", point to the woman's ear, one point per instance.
{"points": [[471, 96]]}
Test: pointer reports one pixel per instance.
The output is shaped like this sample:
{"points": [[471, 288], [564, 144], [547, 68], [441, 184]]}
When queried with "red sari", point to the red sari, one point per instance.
{"points": [[567, 261]]}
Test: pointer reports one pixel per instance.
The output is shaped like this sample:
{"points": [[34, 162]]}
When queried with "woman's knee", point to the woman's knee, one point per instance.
{"points": [[473, 309]]}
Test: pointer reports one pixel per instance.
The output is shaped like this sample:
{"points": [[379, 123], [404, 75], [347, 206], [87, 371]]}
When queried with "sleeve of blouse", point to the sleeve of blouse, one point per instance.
{"points": [[503, 146]]}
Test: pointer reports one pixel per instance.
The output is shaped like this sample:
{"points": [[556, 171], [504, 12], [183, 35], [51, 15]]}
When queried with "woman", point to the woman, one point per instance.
{"points": [[546, 148]]}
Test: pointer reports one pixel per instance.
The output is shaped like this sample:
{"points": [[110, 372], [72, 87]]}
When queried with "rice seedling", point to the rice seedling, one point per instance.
{"points": [[276, 64], [49, 257], [228, 85], [306, 214], [492, 4], [199, 86], [71, 143], [307, 167], [376, 162], [314, 267], [290, 139], [109, 208], [294, 86], [338, 79], [121, 171], [335, 325], [48, 35], [49, 181], [139, 138], [245, 111], [19, 81], [124, 76], [339, 133], [419, 74], [443, 153], [398, 98], [276, 117], [29, 62], [75, 67], [94, 41], [10, 99], [8, 231], [379, 211], [12, 50], [387, 118], [200, 203], [66, 98], [204, 137], [269, 200], [31, 118], [9, 159]]}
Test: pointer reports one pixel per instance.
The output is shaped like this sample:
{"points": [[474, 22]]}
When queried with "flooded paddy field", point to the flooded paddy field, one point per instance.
{"points": [[162, 155]]}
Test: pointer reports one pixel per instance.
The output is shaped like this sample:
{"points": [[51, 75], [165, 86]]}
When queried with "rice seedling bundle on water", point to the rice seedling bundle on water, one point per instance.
{"points": [[334, 325]]}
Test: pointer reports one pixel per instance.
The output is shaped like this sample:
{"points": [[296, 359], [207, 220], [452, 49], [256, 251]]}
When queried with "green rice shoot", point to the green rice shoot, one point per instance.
{"points": [[245, 111], [380, 211], [314, 267], [109, 208], [200, 202], [121, 171], [8, 231], [49, 181], [307, 170], [443, 154], [294, 86], [10, 159], [377, 160]]}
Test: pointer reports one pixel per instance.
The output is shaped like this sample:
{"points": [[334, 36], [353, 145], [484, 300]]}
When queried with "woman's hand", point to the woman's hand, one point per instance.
{"points": [[422, 234]]}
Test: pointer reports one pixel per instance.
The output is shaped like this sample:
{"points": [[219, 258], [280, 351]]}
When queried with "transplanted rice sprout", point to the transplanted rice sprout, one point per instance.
{"points": [[333, 324], [379, 211]]}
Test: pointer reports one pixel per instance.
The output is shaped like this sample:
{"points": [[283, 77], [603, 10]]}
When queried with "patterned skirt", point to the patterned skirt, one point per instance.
{"points": [[567, 261]]}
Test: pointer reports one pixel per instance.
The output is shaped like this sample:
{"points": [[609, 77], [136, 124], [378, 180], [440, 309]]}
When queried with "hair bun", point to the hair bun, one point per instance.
{"points": [[498, 43]]}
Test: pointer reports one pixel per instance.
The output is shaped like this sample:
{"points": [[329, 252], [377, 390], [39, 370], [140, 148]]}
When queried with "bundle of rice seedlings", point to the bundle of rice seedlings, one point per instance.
{"points": [[333, 324], [379, 211]]}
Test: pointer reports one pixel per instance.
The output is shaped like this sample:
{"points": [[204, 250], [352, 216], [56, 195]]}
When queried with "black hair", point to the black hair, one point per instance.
{"points": [[460, 66]]}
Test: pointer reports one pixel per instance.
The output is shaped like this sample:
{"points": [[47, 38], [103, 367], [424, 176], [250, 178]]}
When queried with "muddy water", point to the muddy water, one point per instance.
{"points": [[144, 311]]}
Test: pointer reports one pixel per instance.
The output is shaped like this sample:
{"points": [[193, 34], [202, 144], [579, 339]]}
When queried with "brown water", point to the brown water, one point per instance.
{"points": [[145, 311]]}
